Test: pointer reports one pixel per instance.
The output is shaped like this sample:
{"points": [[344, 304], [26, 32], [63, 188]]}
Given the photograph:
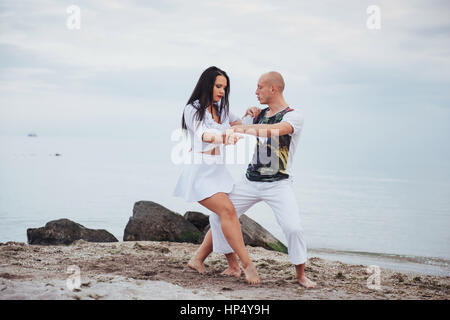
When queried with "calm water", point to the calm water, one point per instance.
{"points": [[366, 219]]}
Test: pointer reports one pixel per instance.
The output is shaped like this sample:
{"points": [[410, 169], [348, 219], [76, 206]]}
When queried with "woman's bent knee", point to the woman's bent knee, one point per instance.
{"points": [[228, 213]]}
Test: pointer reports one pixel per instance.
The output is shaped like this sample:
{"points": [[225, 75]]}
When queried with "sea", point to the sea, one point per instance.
{"points": [[399, 223]]}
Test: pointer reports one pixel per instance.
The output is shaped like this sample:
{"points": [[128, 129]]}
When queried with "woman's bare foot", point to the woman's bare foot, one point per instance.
{"points": [[196, 265], [305, 282], [251, 275], [235, 272]]}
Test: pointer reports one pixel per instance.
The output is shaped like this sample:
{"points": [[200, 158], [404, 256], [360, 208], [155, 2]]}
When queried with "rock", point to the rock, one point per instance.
{"points": [[254, 234], [65, 231], [153, 222], [198, 219]]}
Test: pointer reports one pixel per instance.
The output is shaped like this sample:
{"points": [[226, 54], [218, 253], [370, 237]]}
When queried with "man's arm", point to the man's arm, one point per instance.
{"points": [[265, 130]]}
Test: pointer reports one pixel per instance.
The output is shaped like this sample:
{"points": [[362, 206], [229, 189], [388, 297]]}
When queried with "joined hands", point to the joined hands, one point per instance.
{"points": [[230, 137]]}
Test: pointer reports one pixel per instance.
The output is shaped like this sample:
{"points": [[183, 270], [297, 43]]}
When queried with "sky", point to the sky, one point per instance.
{"points": [[373, 99]]}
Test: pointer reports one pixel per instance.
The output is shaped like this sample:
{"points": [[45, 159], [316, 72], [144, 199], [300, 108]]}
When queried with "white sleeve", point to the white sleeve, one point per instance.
{"points": [[198, 128], [233, 117], [295, 119], [248, 119]]}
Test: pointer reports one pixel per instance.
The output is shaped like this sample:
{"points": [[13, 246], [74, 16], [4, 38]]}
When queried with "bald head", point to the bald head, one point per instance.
{"points": [[275, 79], [270, 89]]}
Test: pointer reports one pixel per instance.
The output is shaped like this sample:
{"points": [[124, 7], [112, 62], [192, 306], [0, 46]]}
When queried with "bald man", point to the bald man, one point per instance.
{"points": [[268, 178]]}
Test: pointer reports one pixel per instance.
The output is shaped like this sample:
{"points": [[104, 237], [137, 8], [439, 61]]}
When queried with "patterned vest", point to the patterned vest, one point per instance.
{"points": [[271, 154]]}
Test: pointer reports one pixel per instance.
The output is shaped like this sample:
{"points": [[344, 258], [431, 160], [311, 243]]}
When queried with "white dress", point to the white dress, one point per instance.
{"points": [[207, 174]]}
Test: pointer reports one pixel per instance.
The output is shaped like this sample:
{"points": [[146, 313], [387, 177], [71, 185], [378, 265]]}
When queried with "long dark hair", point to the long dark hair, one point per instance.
{"points": [[203, 92]]}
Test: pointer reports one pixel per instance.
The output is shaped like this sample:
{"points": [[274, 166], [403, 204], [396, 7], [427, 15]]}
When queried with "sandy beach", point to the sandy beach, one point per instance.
{"points": [[158, 270]]}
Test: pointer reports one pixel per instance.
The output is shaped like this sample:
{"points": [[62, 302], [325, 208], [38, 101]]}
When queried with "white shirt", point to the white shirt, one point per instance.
{"points": [[295, 118]]}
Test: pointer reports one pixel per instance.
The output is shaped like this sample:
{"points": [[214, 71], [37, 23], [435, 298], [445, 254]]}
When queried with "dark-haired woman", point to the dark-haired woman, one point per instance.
{"points": [[206, 180]]}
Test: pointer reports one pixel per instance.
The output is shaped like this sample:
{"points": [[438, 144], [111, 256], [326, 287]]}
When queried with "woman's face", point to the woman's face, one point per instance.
{"points": [[219, 88]]}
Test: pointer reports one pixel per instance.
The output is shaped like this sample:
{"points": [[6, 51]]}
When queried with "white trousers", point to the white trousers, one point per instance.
{"points": [[279, 195]]}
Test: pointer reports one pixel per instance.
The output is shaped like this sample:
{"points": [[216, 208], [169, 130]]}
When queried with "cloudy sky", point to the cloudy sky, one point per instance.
{"points": [[373, 96]]}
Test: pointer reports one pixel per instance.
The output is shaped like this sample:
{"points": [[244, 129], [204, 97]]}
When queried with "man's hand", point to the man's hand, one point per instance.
{"points": [[253, 111]]}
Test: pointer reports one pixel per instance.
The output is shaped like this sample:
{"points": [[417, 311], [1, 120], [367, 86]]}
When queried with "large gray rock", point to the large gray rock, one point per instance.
{"points": [[198, 219], [253, 233], [256, 235], [153, 222], [65, 231]]}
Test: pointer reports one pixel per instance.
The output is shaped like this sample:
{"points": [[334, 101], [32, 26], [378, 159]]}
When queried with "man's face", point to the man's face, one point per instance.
{"points": [[263, 91]]}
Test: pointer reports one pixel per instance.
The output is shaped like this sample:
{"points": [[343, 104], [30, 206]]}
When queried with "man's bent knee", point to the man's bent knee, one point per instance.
{"points": [[293, 231]]}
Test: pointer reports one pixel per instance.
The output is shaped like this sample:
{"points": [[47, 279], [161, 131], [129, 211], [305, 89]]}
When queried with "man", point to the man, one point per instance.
{"points": [[268, 178]]}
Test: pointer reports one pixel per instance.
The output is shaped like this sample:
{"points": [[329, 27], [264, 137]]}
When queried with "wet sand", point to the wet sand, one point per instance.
{"points": [[158, 270]]}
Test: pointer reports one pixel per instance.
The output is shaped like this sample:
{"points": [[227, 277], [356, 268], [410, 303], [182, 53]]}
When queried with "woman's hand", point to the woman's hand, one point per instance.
{"points": [[234, 138], [253, 111], [231, 137]]}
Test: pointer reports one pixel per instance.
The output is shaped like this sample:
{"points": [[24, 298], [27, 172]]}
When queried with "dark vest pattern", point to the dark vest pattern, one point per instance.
{"points": [[271, 154]]}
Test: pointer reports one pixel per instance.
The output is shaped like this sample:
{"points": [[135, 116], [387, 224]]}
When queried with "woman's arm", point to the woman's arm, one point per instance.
{"points": [[234, 119], [253, 111]]}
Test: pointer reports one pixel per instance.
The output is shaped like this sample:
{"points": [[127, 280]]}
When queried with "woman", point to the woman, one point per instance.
{"points": [[206, 118]]}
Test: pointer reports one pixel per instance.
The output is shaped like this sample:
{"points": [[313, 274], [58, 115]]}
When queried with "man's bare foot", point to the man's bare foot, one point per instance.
{"points": [[235, 272], [196, 265], [251, 275], [305, 282]]}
